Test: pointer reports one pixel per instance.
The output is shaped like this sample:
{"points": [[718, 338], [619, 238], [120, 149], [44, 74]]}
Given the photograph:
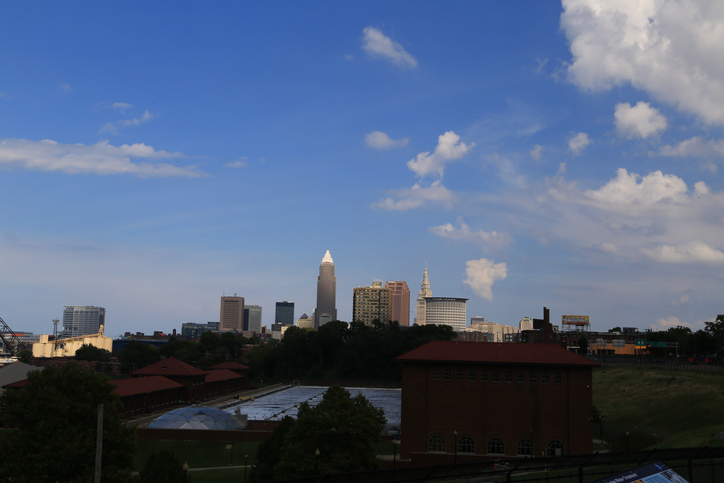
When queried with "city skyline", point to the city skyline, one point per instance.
{"points": [[151, 163]]}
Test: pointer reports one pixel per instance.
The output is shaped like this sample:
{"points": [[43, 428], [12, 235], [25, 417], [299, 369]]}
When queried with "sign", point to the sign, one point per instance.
{"points": [[653, 473], [575, 320]]}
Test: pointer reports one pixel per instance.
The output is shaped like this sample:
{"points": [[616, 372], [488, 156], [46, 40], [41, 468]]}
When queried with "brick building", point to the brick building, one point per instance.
{"points": [[473, 401]]}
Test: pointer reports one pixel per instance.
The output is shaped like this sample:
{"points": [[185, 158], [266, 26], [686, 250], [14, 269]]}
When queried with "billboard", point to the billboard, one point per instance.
{"points": [[575, 320], [652, 473]]}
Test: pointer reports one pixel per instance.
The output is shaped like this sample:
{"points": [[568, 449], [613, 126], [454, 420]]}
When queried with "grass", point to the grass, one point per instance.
{"points": [[657, 407], [200, 454]]}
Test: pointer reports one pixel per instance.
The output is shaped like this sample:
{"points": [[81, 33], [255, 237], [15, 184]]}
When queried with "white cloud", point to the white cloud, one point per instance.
{"points": [[462, 232], [448, 148], [693, 252], [380, 140], [696, 147], [642, 120], [536, 152], [417, 196], [100, 158], [578, 143], [625, 190], [241, 163], [668, 323], [112, 127], [65, 88], [377, 44], [482, 274], [669, 48], [120, 106]]}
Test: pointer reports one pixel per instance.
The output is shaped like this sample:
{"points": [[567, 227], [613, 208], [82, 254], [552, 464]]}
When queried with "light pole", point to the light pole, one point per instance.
{"points": [[246, 458], [395, 442], [186, 470], [626, 440], [316, 461], [455, 460]]}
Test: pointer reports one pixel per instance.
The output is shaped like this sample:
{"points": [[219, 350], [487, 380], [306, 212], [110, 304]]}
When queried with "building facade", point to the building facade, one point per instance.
{"points": [[193, 330], [424, 293], [399, 302], [232, 314], [446, 311], [82, 320], [476, 401], [371, 303], [326, 310], [284, 313], [252, 318], [305, 322]]}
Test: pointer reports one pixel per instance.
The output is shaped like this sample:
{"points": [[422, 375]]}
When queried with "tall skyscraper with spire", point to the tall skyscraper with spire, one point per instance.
{"points": [[421, 304], [326, 310]]}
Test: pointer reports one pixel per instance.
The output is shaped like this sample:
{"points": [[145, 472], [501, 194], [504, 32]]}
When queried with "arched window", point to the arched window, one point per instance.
{"points": [[496, 446], [554, 448], [436, 444], [466, 445], [525, 447]]}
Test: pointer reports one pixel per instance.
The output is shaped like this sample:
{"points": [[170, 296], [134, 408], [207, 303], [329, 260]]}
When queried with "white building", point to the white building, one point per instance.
{"points": [[478, 324], [424, 292], [446, 311], [526, 323]]}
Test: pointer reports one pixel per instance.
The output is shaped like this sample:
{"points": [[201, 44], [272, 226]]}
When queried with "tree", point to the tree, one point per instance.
{"points": [[343, 429], [25, 356], [137, 355], [91, 353], [715, 330], [56, 415], [162, 467]]}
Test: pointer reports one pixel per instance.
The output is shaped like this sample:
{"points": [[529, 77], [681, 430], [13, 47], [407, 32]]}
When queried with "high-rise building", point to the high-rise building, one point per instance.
{"points": [[232, 314], [400, 302], [526, 323], [371, 303], [284, 313], [326, 310], [193, 330], [252, 318], [305, 322], [82, 320], [424, 292], [446, 311]]}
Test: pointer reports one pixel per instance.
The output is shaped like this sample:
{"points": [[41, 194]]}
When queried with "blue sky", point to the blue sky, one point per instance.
{"points": [[154, 156]]}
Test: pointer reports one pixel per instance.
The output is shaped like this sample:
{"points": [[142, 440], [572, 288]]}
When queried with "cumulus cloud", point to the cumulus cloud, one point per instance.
{"points": [[113, 127], [241, 163], [642, 120], [100, 158], [668, 323], [463, 232], [380, 140], [693, 252], [536, 152], [625, 190], [579, 142], [448, 149], [696, 147], [120, 106], [482, 274], [669, 48], [377, 44], [417, 196]]}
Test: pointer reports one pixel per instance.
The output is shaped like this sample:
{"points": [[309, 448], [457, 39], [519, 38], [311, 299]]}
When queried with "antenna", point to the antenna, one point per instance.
{"points": [[55, 328]]}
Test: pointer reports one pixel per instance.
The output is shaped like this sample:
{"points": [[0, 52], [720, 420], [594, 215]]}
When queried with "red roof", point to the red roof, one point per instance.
{"points": [[234, 366], [222, 375], [495, 353], [143, 385], [169, 367]]}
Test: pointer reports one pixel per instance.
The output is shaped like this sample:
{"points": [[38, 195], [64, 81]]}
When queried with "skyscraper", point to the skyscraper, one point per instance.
{"points": [[371, 303], [252, 318], [82, 320], [284, 313], [421, 306], [400, 302], [326, 310], [446, 311], [232, 314]]}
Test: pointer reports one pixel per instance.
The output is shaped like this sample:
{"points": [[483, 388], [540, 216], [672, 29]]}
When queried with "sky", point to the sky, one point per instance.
{"points": [[155, 156]]}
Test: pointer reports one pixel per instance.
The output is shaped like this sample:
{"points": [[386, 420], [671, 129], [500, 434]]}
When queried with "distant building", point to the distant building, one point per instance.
{"points": [[284, 313], [399, 302], [305, 322], [499, 332], [526, 323], [371, 303], [232, 314], [326, 310], [194, 331], [252, 318], [446, 311], [82, 320], [424, 292]]}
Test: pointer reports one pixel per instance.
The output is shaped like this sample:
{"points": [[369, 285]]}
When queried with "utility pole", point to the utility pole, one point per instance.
{"points": [[99, 444]]}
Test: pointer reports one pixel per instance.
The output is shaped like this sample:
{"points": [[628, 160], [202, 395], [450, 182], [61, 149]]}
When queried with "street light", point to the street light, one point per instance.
{"points": [[626, 440], [186, 470], [395, 442], [246, 458], [455, 433], [316, 461]]}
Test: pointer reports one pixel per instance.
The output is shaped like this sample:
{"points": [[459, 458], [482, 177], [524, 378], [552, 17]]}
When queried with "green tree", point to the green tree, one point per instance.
{"points": [[137, 355], [162, 467], [25, 356], [715, 330], [56, 415], [91, 353]]}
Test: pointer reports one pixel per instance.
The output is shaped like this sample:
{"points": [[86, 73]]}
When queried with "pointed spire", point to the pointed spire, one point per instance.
{"points": [[425, 288], [327, 258]]}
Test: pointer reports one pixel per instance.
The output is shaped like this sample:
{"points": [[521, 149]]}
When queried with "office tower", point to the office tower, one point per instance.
{"points": [[232, 314], [526, 323], [252, 318], [305, 322], [424, 292], [82, 320], [193, 330], [371, 303], [400, 302], [326, 310], [446, 311], [284, 313]]}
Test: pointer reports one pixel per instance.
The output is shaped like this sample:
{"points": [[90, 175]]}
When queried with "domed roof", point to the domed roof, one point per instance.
{"points": [[196, 417]]}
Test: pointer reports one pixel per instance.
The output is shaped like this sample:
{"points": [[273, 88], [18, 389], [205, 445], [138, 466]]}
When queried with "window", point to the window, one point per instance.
{"points": [[466, 445], [496, 376], [554, 448], [484, 376], [435, 374], [521, 376], [448, 374], [496, 446], [436, 444], [557, 378], [508, 376], [544, 377], [471, 375], [532, 377], [459, 375], [525, 447]]}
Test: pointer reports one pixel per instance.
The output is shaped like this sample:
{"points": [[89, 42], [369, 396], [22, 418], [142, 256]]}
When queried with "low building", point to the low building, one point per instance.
{"points": [[192, 378]]}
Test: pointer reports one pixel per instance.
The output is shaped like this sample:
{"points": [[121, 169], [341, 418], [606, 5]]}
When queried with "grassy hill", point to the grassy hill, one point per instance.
{"points": [[658, 407]]}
